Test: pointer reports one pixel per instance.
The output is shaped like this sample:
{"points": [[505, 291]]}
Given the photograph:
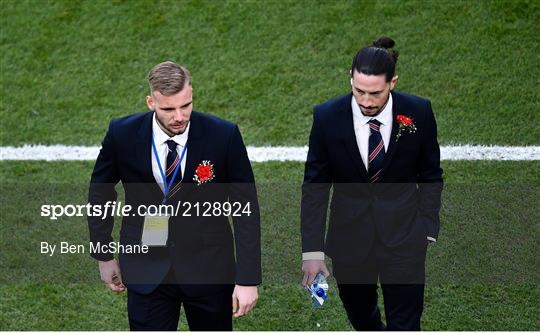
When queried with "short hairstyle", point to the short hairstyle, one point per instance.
{"points": [[168, 78], [376, 59]]}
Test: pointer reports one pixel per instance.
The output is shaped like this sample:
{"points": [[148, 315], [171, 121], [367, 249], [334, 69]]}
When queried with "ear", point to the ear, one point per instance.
{"points": [[393, 81], [150, 102]]}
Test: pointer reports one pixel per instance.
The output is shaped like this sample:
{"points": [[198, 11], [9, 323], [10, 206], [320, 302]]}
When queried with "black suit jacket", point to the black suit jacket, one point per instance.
{"points": [[403, 209], [200, 249]]}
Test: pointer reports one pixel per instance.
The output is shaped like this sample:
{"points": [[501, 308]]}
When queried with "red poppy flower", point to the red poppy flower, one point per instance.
{"points": [[204, 173], [405, 120], [406, 125]]}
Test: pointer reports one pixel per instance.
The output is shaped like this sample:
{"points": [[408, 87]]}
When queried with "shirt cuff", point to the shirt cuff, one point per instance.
{"points": [[431, 239], [313, 256]]}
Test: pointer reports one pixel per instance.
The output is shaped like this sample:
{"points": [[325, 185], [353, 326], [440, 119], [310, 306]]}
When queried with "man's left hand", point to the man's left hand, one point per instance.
{"points": [[244, 299]]}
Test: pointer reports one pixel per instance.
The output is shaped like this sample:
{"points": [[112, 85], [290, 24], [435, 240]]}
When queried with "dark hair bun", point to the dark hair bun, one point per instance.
{"points": [[384, 42]]}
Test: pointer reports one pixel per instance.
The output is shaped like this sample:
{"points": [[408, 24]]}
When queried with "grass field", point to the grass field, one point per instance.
{"points": [[68, 67], [477, 280]]}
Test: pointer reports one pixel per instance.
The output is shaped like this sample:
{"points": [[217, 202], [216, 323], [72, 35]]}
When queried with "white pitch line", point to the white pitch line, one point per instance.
{"points": [[265, 154]]}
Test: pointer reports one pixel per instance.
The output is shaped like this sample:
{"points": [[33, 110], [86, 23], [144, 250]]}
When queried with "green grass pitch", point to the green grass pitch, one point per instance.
{"points": [[68, 67]]}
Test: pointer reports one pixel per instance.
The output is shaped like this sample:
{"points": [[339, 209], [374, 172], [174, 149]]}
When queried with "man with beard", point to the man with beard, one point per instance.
{"points": [[169, 155], [378, 150]]}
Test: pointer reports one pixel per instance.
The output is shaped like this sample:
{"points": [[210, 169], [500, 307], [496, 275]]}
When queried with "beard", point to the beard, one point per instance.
{"points": [[170, 130], [372, 111]]}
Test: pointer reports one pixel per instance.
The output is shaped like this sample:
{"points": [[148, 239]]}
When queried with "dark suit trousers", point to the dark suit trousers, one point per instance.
{"points": [[401, 272], [207, 307]]}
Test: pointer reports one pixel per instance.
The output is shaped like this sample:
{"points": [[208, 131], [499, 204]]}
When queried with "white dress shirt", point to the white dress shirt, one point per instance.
{"points": [[362, 129], [160, 138]]}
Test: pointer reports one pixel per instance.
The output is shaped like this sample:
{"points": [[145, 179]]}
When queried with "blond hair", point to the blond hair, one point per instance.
{"points": [[168, 78]]}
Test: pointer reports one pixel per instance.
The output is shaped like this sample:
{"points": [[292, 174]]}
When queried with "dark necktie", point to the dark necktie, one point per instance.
{"points": [[172, 161], [376, 151]]}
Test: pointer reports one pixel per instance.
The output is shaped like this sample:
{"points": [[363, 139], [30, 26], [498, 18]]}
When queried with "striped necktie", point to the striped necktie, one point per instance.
{"points": [[173, 158], [376, 151]]}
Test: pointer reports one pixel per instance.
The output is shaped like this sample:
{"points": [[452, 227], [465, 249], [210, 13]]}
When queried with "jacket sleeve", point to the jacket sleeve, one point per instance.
{"points": [[430, 181], [315, 190], [101, 190], [247, 233]]}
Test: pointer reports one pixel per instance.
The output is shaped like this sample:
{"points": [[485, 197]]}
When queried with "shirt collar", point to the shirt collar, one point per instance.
{"points": [[161, 137], [385, 117]]}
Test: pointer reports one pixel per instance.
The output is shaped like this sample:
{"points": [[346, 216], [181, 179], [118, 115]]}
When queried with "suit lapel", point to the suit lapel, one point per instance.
{"points": [[349, 138], [143, 148], [195, 149], [393, 144]]}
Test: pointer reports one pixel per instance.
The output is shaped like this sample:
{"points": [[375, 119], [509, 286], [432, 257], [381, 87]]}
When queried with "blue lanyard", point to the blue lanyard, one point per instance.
{"points": [[167, 187]]}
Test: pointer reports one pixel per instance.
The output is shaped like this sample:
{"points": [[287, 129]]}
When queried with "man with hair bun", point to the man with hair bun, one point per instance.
{"points": [[377, 149]]}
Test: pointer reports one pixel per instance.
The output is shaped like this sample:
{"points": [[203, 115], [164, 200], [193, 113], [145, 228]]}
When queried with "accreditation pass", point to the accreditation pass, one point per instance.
{"points": [[155, 230]]}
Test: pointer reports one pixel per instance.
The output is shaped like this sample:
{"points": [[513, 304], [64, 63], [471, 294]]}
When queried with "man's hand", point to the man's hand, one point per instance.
{"points": [[110, 274], [244, 299], [311, 268]]}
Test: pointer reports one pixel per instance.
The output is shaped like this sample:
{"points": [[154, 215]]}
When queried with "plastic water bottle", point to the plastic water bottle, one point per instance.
{"points": [[318, 290]]}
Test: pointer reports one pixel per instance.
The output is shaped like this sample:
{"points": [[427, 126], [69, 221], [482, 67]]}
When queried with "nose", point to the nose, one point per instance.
{"points": [[178, 115], [366, 101]]}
